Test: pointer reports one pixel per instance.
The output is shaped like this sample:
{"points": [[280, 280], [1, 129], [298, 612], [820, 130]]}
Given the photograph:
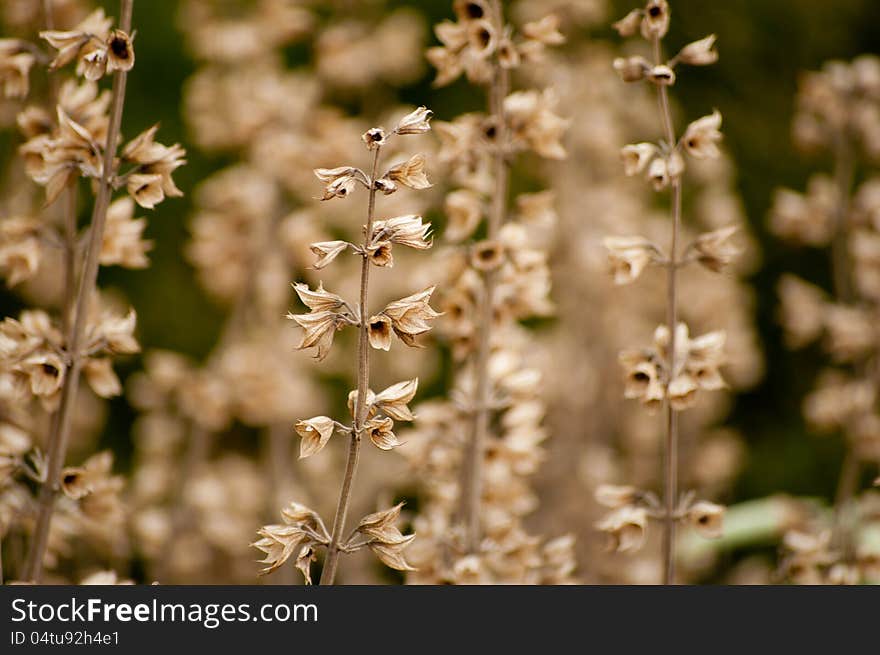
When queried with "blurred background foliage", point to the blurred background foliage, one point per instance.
{"points": [[764, 44]]}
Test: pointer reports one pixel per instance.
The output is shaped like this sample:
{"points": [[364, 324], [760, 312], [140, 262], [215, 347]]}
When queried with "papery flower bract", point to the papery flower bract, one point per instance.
{"points": [[406, 230], [340, 182], [487, 255], [146, 189], [410, 173], [69, 43], [315, 433], [319, 329], [100, 376], [545, 30], [120, 52], [655, 21], [327, 251], [632, 69], [123, 243], [319, 299], [302, 528], [628, 257], [662, 75], [701, 138], [380, 332], [374, 138], [682, 392], [625, 528], [416, 122], [381, 433], [613, 496], [636, 157], [699, 53], [409, 316], [715, 250], [393, 400], [707, 519]]}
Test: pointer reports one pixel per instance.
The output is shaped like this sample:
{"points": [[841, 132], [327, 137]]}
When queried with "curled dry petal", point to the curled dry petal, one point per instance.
{"points": [[381, 432], [701, 138], [632, 69], [409, 316], [625, 528], [707, 519], [662, 75], [628, 257], [545, 30], [699, 53], [636, 157], [614, 496], [463, 209], [315, 433], [327, 251], [393, 400], [416, 122], [319, 299], [374, 138], [715, 249], [380, 332], [410, 173], [120, 52], [101, 377], [655, 21]]}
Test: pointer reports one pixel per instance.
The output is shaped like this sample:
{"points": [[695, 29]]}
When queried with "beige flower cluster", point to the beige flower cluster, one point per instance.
{"points": [[372, 414], [671, 372], [70, 135], [837, 108], [474, 452]]}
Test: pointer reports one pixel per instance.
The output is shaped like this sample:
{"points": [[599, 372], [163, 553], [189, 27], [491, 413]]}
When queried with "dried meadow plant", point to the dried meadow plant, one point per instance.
{"points": [[670, 373]]}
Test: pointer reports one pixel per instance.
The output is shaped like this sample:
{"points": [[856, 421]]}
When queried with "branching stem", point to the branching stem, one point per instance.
{"points": [[60, 434], [328, 574]]}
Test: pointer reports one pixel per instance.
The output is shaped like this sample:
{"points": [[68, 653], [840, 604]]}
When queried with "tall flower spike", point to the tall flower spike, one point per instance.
{"points": [[676, 368], [373, 415]]}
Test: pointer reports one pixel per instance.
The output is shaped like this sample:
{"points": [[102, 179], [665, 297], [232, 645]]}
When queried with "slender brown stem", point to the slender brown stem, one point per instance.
{"points": [[844, 176], [60, 436], [472, 466], [70, 248], [328, 574], [670, 453]]}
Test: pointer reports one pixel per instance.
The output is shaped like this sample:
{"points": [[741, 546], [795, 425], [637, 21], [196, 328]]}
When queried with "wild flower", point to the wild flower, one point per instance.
{"points": [[836, 110], [372, 415], [671, 373], [471, 530]]}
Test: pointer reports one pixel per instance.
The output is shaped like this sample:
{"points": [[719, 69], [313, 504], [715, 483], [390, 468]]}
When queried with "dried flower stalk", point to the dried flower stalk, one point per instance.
{"points": [[837, 112], [673, 371], [373, 414], [60, 435]]}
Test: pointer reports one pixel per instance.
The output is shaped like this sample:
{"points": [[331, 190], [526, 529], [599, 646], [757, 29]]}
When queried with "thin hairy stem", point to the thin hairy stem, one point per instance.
{"points": [[60, 435], [472, 469], [328, 574], [670, 452], [70, 251], [844, 176]]}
